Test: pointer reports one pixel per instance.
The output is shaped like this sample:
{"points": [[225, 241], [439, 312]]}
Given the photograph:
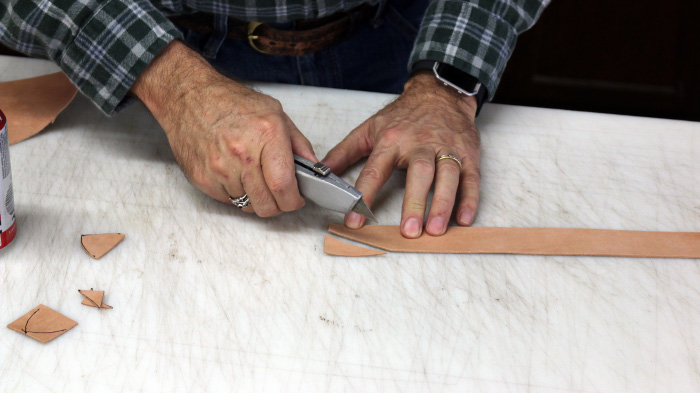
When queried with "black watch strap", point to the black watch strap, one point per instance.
{"points": [[466, 82]]}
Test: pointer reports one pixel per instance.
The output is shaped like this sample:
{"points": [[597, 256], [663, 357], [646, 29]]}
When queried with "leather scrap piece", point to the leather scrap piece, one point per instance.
{"points": [[531, 241], [98, 245], [337, 247], [93, 298], [42, 324], [32, 104]]}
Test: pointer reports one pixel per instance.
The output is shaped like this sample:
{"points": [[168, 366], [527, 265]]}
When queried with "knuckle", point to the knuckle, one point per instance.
{"points": [[270, 126], [391, 136], [468, 204], [372, 174], [281, 184], [267, 211], [443, 202], [472, 178], [218, 165], [274, 104], [237, 149], [423, 166], [414, 205], [297, 204]]}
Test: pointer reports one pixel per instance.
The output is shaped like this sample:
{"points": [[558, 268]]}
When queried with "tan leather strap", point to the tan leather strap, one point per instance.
{"points": [[531, 241]]}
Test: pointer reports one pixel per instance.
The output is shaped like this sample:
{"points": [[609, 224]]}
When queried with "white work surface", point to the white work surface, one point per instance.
{"points": [[209, 299]]}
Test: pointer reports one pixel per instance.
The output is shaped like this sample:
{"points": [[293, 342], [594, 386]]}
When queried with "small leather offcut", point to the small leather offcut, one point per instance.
{"points": [[531, 241], [32, 104], [97, 246], [93, 298], [337, 247], [42, 324]]}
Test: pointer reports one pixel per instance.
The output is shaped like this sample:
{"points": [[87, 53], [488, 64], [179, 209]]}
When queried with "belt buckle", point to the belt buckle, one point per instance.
{"points": [[252, 37]]}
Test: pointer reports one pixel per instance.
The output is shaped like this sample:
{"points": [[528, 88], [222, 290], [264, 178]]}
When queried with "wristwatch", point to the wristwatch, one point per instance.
{"points": [[454, 78]]}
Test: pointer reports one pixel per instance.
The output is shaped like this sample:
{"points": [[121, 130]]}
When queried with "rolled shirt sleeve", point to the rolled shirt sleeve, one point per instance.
{"points": [[476, 36], [102, 45]]}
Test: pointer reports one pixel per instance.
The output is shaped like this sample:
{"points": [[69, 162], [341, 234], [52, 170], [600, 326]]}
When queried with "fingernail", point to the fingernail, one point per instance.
{"points": [[353, 220], [411, 227], [436, 226], [466, 217]]}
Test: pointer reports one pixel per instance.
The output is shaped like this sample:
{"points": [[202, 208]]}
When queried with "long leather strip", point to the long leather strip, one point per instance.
{"points": [[531, 241]]}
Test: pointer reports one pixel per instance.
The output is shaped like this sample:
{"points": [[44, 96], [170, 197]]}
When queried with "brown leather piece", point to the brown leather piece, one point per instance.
{"points": [[531, 241], [32, 104], [42, 324], [339, 248], [93, 298], [97, 246]]}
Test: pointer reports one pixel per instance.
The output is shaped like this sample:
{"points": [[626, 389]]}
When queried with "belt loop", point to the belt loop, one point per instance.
{"points": [[211, 48]]}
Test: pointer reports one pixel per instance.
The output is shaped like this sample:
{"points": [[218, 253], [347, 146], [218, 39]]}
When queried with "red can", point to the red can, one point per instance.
{"points": [[8, 225]]}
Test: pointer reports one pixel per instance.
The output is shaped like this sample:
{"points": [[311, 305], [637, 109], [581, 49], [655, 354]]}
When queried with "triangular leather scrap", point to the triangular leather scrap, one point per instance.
{"points": [[43, 324], [531, 241], [97, 246], [337, 247], [93, 298], [32, 104]]}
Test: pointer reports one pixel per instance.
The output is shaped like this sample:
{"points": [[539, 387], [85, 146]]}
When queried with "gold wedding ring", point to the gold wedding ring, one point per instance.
{"points": [[449, 157]]}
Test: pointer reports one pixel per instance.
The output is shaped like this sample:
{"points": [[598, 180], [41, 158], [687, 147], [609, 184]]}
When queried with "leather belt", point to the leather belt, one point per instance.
{"points": [[307, 37]]}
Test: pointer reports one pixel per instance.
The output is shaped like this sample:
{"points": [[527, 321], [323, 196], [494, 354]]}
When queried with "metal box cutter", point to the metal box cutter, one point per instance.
{"points": [[319, 185]]}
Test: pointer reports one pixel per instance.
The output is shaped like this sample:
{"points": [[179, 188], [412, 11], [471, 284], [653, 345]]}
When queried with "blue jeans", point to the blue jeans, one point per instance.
{"points": [[374, 58]]}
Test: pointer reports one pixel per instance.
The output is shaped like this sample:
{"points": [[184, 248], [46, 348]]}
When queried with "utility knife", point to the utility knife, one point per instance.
{"points": [[319, 185]]}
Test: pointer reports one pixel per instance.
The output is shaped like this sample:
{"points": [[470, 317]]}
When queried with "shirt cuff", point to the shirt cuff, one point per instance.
{"points": [[468, 37], [113, 47]]}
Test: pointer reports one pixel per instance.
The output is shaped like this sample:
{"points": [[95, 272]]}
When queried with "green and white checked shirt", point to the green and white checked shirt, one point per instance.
{"points": [[104, 45]]}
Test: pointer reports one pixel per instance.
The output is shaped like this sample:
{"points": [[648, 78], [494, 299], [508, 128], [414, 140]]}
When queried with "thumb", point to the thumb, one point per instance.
{"points": [[355, 146]]}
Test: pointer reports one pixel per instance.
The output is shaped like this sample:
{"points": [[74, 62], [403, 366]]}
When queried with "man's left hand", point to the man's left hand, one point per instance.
{"points": [[426, 121]]}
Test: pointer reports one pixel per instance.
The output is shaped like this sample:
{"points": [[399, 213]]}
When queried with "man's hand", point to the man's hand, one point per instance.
{"points": [[426, 121], [228, 139]]}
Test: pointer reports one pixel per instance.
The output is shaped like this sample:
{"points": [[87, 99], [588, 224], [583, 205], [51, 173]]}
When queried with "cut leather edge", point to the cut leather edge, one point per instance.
{"points": [[339, 248], [531, 241], [44, 329], [93, 298], [31, 104], [96, 246]]}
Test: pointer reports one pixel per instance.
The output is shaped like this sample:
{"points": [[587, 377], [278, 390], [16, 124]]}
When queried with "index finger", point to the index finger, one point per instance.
{"points": [[278, 169], [375, 173]]}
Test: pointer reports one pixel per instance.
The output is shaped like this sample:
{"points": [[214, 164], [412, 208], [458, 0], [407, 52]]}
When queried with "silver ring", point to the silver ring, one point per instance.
{"points": [[449, 157], [240, 202]]}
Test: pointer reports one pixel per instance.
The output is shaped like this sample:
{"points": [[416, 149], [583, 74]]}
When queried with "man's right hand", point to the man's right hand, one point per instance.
{"points": [[228, 139]]}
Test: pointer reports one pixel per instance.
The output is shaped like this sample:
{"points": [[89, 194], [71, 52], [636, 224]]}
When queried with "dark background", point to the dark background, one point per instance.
{"points": [[638, 58]]}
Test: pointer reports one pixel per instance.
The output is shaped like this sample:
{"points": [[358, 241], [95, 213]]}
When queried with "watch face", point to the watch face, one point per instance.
{"points": [[465, 83]]}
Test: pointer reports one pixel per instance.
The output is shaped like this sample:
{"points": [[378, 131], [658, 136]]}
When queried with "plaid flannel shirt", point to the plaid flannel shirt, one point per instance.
{"points": [[104, 45]]}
